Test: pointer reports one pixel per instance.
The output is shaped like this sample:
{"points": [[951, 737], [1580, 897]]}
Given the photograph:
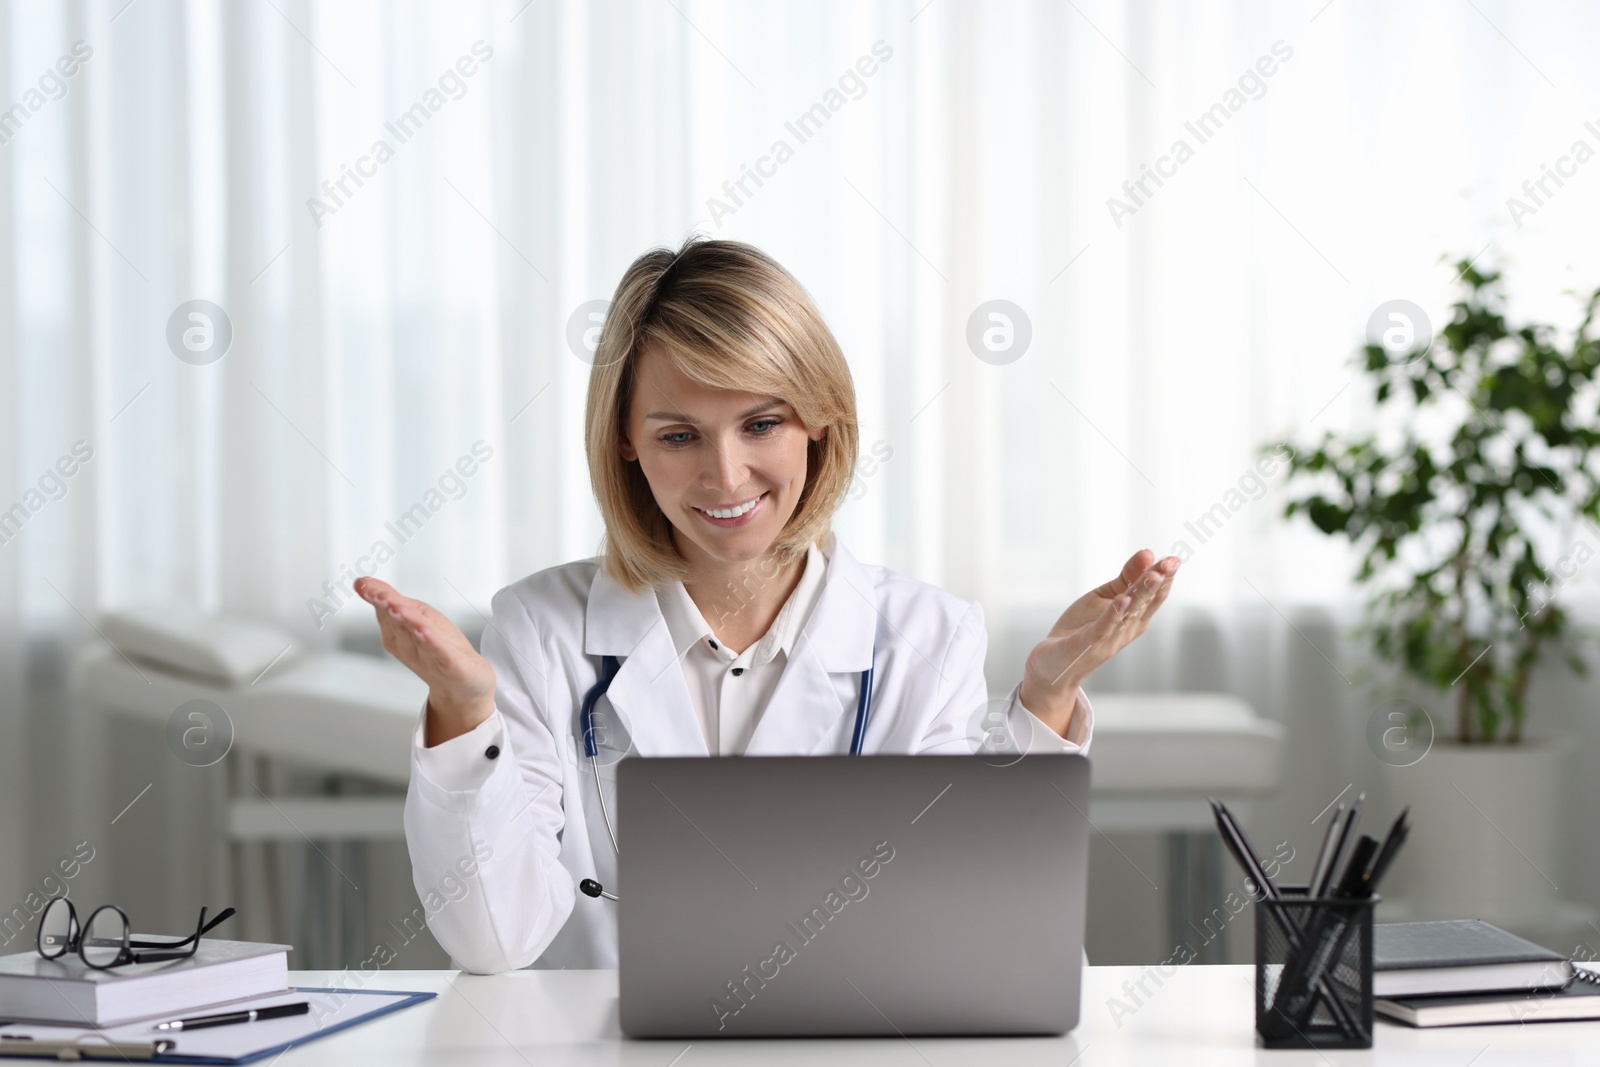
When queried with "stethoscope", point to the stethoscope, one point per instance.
{"points": [[609, 666]]}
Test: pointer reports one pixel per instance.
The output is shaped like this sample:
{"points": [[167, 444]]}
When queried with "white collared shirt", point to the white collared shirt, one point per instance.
{"points": [[730, 689]]}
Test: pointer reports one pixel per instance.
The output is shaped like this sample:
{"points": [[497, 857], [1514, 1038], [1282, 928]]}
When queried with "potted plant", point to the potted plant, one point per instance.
{"points": [[1475, 501]]}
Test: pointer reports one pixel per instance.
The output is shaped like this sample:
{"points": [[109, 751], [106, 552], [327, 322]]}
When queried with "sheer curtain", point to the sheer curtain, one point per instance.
{"points": [[403, 209]]}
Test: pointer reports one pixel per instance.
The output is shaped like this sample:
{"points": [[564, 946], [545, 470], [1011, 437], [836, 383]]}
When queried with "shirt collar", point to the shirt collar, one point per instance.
{"points": [[688, 626]]}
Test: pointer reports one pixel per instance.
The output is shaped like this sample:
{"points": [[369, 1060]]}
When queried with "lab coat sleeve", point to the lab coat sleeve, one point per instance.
{"points": [[459, 764], [969, 722], [484, 832], [1041, 738]]}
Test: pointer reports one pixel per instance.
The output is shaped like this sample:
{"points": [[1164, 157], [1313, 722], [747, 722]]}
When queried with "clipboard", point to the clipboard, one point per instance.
{"points": [[332, 1010]]}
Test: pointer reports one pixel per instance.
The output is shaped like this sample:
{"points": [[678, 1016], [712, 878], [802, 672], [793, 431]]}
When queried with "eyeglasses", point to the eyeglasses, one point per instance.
{"points": [[104, 942]]}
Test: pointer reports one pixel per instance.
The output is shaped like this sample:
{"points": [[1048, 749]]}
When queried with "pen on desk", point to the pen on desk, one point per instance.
{"points": [[82, 1046], [277, 1011]]}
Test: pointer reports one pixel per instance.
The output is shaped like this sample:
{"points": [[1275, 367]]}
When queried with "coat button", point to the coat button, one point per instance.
{"points": [[713, 641], [738, 671], [492, 751]]}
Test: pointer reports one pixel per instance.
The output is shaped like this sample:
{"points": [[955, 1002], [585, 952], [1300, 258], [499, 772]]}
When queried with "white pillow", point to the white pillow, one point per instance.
{"points": [[228, 649]]}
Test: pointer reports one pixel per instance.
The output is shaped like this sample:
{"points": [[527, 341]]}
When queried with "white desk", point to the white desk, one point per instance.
{"points": [[1198, 1016]]}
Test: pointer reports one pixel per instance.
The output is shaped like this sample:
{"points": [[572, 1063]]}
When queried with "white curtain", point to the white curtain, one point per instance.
{"points": [[401, 207]]}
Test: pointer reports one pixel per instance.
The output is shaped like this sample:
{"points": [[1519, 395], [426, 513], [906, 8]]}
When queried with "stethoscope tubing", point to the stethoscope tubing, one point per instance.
{"points": [[609, 665]]}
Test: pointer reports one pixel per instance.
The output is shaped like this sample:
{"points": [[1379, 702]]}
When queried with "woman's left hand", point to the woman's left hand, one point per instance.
{"points": [[1096, 627]]}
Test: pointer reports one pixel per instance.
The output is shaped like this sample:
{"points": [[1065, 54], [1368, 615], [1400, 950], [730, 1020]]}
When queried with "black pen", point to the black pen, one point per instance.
{"points": [[1226, 832], [1247, 856], [1391, 845], [1325, 853], [277, 1011], [1353, 884], [1346, 831]]}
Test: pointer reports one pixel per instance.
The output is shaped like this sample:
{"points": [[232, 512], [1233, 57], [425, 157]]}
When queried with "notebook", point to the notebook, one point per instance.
{"points": [[332, 1010], [1459, 956], [67, 990], [1579, 999]]}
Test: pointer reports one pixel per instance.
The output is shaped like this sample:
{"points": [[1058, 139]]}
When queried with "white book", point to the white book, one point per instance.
{"points": [[1578, 999], [65, 990]]}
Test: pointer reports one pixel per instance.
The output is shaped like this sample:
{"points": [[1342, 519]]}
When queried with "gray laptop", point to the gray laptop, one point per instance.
{"points": [[840, 895]]}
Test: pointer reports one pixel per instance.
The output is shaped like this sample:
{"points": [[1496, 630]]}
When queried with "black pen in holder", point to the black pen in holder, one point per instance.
{"points": [[1330, 959]]}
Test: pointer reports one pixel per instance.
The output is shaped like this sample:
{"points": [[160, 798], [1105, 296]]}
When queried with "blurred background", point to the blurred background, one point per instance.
{"points": [[402, 219]]}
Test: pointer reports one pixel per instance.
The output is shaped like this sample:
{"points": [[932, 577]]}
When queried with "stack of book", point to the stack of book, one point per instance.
{"points": [[1462, 972], [65, 990]]}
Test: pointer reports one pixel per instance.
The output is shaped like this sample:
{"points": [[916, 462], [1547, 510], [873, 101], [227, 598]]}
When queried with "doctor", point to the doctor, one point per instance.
{"points": [[721, 436]]}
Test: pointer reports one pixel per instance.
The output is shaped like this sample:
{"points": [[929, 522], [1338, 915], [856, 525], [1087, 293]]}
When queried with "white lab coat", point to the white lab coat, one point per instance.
{"points": [[498, 845]]}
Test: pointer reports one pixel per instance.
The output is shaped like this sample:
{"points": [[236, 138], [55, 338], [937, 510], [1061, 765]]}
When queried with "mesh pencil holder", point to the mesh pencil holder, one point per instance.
{"points": [[1314, 971]]}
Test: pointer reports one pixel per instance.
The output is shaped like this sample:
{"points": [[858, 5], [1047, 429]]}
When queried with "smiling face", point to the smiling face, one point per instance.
{"points": [[709, 455]]}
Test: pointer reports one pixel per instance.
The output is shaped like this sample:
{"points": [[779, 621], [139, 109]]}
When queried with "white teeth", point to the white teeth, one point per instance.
{"points": [[731, 513]]}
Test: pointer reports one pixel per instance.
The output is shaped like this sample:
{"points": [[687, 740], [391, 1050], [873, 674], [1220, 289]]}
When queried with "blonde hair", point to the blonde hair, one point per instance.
{"points": [[729, 317]]}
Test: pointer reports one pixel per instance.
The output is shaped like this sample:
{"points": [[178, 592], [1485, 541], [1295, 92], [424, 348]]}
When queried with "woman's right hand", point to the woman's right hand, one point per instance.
{"points": [[460, 681]]}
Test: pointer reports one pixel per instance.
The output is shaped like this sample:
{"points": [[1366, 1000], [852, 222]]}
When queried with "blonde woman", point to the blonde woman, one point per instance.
{"points": [[723, 618]]}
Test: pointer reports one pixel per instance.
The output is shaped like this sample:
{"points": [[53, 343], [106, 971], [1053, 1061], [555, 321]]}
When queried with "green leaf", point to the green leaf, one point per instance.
{"points": [[1327, 517]]}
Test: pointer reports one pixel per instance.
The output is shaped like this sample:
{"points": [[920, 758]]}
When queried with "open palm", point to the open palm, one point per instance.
{"points": [[1094, 628], [460, 681]]}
